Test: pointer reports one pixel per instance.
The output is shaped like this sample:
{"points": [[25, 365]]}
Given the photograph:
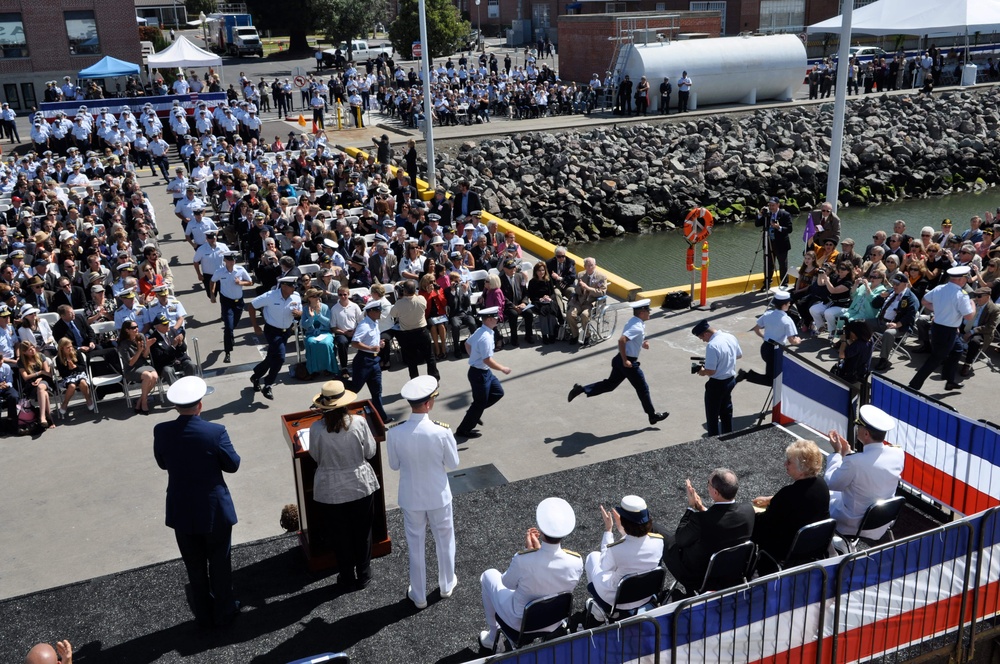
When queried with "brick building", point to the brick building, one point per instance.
{"points": [[586, 43], [42, 41]]}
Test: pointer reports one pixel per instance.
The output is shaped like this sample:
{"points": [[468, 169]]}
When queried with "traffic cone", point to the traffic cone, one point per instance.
{"points": [[315, 128], [302, 120]]}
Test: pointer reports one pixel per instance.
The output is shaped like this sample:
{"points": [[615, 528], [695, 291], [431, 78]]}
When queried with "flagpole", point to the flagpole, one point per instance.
{"points": [[839, 106]]}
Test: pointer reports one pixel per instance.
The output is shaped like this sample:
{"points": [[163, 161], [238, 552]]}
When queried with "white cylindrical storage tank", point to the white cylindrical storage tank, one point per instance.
{"points": [[723, 70]]}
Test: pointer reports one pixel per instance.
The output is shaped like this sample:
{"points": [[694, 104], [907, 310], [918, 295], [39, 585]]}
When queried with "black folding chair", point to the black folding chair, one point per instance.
{"points": [[632, 589], [543, 617], [726, 568], [880, 513], [811, 542]]}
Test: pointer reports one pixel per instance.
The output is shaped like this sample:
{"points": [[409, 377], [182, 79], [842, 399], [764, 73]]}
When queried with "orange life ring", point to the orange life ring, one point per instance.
{"points": [[698, 225]]}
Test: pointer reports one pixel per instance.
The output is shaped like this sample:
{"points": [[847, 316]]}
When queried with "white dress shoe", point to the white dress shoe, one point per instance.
{"points": [[447, 593], [409, 594], [485, 642]]}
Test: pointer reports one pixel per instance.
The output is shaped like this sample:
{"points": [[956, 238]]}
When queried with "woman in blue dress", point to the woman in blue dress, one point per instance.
{"points": [[320, 352]]}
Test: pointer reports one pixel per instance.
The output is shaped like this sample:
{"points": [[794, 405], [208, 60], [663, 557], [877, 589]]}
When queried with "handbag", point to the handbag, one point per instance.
{"points": [[25, 412]]}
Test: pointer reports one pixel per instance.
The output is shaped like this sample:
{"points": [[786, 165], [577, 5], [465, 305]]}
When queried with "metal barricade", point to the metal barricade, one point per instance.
{"points": [[617, 643], [985, 610], [773, 618], [916, 604]]}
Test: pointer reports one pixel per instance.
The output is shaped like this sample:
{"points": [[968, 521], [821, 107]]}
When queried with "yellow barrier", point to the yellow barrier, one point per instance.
{"points": [[717, 288], [618, 286]]}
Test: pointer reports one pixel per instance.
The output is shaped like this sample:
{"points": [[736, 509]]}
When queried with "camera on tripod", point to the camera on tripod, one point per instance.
{"points": [[697, 364]]}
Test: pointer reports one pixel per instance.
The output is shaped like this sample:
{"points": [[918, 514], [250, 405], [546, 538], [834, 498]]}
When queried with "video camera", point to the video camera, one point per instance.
{"points": [[697, 364]]}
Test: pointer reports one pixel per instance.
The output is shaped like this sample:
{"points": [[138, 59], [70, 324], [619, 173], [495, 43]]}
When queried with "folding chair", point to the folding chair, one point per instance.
{"points": [[542, 618], [726, 568], [811, 542], [309, 268], [880, 513], [105, 369], [50, 317], [634, 591]]}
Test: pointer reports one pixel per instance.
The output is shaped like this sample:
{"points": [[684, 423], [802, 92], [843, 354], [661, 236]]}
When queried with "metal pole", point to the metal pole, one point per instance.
{"points": [[428, 123], [839, 106], [481, 44]]}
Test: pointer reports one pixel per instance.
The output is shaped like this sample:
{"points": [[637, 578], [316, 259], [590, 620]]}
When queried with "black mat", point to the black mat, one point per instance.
{"points": [[141, 616]]}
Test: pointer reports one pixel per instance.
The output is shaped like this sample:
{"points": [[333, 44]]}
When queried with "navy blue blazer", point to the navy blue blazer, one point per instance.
{"points": [[195, 453]]}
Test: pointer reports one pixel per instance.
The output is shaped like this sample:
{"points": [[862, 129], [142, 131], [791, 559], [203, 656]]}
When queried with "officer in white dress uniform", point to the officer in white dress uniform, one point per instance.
{"points": [[423, 451], [640, 551], [858, 480], [543, 568]]}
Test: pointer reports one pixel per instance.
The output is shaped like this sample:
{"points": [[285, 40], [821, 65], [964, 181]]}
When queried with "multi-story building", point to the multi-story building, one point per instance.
{"points": [[45, 41]]}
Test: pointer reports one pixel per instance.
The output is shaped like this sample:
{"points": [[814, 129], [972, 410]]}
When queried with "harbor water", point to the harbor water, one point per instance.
{"points": [[657, 260]]}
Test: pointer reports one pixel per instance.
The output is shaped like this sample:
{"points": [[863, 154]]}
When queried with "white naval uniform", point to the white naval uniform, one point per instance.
{"points": [[423, 452], [859, 480], [532, 574], [606, 567]]}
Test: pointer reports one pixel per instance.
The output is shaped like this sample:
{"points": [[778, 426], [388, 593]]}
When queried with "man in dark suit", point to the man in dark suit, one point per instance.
{"points": [[897, 312], [36, 295], [195, 453], [465, 201], [76, 328], [70, 294], [515, 292], [167, 352], [705, 531], [777, 228], [562, 272], [383, 265], [978, 333]]}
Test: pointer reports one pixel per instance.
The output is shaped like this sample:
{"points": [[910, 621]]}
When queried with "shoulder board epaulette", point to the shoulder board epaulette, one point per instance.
{"points": [[526, 551], [656, 535], [395, 424], [615, 543], [442, 424], [572, 553]]}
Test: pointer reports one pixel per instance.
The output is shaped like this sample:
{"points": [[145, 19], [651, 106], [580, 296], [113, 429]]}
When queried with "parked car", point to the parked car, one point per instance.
{"points": [[865, 53]]}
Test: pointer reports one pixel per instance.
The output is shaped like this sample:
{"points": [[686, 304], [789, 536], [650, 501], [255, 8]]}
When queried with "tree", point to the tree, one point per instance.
{"points": [[445, 27], [195, 7], [297, 17], [344, 20]]}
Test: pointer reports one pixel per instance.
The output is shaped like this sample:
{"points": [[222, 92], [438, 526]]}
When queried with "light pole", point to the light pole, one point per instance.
{"points": [[204, 27], [479, 26], [428, 109]]}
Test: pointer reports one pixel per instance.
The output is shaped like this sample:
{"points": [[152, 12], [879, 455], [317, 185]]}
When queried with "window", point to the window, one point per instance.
{"points": [[493, 9], [28, 93], [614, 7], [12, 41], [10, 96], [711, 6], [661, 6], [540, 16], [782, 16], [81, 29]]}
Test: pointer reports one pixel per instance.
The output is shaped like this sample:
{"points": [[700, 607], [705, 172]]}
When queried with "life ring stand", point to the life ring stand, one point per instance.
{"points": [[698, 225]]}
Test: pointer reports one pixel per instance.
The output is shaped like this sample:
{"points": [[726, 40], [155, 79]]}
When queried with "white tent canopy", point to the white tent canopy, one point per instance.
{"points": [[919, 17], [182, 53]]}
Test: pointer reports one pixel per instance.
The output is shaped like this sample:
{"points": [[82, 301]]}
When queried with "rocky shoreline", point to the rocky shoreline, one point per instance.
{"points": [[581, 186]]}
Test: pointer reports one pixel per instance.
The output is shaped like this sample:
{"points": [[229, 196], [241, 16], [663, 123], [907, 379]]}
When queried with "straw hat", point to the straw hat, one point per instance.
{"points": [[333, 395]]}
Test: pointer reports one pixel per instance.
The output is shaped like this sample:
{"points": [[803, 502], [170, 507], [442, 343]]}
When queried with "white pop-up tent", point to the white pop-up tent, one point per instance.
{"points": [[918, 17], [182, 53]]}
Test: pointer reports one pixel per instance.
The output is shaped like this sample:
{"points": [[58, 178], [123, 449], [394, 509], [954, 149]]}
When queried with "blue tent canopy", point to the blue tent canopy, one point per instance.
{"points": [[109, 66]]}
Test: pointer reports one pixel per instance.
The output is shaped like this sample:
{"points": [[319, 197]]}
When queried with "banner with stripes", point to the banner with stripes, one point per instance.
{"points": [[949, 457], [809, 394]]}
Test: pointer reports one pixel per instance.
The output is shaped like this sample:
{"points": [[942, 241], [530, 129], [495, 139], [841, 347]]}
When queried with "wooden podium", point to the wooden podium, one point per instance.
{"points": [[312, 530]]}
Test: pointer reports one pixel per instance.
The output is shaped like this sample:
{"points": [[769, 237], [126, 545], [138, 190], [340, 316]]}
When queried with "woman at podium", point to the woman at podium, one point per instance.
{"points": [[344, 483]]}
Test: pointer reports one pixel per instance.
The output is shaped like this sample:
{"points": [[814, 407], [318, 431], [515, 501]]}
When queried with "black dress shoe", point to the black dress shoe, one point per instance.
{"points": [[266, 391], [883, 365], [575, 392], [658, 417], [468, 434], [256, 383], [953, 386], [227, 359]]}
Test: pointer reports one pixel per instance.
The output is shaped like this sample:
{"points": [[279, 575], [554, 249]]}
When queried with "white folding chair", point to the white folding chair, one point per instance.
{"points": [[309, 268], [50, 317]]}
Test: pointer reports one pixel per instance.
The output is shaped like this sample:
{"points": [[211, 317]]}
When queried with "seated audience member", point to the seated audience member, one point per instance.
{"points": [[36, 380], [806, 500], [344, 318], [321, 356], [704, 531], [8, 395], [897, 312], [72, 374], [855, 352], [134, 349], [543, 294], [543, 568], [639, 551], [43, 653], [979, 332], [74, 327], [590, 285], [167, 351], [35, 330], [460, 312], [866, 293], [857, 480]]}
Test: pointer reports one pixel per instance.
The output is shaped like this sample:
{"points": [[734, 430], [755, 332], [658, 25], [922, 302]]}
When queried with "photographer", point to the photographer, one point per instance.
{"points": [[776, 225], [720, 367], [837, 282]]}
